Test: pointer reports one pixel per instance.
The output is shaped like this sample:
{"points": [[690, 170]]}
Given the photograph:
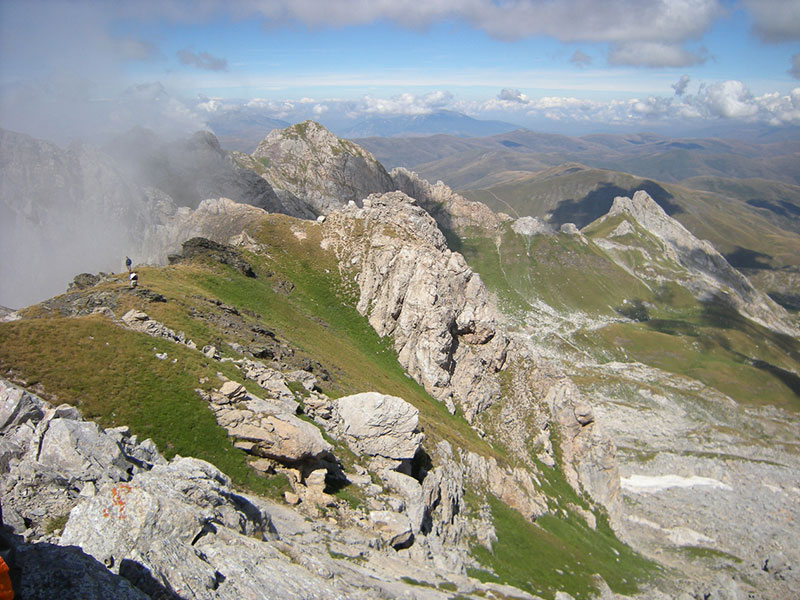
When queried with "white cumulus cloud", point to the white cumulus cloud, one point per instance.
{"points": [[512, 95], [729, 99]]}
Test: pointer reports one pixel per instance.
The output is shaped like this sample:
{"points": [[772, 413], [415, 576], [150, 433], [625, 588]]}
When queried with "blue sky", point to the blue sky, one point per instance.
{"points": [[544, 64]]}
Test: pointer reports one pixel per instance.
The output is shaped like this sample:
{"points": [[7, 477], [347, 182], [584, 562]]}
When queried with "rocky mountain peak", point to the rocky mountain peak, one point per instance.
{"points": [[711, 274], [309, 162], [652, 217]]}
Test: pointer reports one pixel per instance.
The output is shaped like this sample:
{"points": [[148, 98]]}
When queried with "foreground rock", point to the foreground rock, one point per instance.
{"points": [[380, 426], [136, 526]]}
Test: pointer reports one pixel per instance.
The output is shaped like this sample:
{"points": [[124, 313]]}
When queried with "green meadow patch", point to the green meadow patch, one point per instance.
{"points": [[556, 554]]}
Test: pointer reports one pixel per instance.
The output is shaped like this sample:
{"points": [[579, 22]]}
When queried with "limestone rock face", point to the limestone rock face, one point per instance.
{"points": [[532, 226], [267, 427], [394, 528], [314, 165], [588, 454], [437, 310], [380, 425], [173, 502]]}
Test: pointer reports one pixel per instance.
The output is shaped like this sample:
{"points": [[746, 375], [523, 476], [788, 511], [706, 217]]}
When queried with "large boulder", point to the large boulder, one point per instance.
{"points": [[176, 502], [379, 425], [283, 436]]}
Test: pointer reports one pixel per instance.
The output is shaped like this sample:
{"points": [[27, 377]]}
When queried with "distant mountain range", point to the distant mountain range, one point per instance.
{"points": [[242, 130], [438, 122], [461, 162]]}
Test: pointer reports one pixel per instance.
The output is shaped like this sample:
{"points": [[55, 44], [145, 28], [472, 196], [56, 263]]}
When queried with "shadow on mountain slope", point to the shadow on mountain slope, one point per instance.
{"points": [[744, 258], [598, 202]]}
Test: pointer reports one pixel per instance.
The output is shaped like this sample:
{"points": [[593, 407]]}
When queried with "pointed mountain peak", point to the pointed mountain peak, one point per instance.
{"points": [[647, 212], [312, 164]]}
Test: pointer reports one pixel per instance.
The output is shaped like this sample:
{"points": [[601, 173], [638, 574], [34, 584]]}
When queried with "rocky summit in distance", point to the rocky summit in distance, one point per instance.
{"points": [[309, 162]]}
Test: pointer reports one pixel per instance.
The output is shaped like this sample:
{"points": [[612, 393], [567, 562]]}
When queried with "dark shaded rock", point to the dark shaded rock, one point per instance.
{"points": [[83, 281], [221, 253], [148, 295], [67, 573]]}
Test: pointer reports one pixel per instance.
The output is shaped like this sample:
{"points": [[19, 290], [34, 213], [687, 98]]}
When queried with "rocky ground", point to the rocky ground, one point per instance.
{"points": [[709, 487]]}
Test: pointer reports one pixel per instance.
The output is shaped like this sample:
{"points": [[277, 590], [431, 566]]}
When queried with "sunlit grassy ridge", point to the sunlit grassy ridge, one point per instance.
{"points": [[316, 317]]}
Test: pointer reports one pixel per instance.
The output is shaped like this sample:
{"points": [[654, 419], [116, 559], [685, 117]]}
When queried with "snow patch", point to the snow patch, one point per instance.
{"points": [[647, 484]]}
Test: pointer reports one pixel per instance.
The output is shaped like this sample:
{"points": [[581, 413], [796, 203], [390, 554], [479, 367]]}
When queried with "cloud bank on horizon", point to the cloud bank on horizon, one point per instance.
{"points": [[67, 67]]}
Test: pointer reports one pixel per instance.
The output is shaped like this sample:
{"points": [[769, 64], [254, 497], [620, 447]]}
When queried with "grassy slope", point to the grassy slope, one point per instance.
{"points": [[113, 375], [675, 332], [558, 554]]}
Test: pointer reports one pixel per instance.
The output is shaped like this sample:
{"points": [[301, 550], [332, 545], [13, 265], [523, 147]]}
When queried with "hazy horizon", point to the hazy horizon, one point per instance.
{"points": [[90, 69]]}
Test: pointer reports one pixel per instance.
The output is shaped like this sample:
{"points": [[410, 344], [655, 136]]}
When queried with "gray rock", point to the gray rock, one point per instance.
{"points": [[380, 425], [443, 325], [777, 565], [312, 164], [140, 321], [80, 450], [531, 226], [17, 406], [283, 437], [452, 211], [174, 501], [411, 492], [394, 528]]}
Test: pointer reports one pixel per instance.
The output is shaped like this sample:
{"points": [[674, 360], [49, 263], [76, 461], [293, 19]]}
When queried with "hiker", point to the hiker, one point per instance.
{"points": [[128, 263], [134, 279]]}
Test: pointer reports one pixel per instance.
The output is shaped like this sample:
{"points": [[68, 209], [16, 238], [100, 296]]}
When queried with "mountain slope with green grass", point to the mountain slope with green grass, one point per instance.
{"points": [[299, 308]]}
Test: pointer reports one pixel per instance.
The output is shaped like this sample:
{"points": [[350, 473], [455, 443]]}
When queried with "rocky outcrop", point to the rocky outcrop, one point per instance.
{"points": [[133, 525], [452, 211], [309, 162], [139, 321], [190, 170], [217, 219], [226, 255], [50, 459], [532, 226], [713, 277], [588, 453], [442, 323], [266, 427]]}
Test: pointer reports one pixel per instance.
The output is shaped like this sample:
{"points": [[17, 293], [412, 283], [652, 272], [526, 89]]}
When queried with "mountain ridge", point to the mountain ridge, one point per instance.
{"points": [[272, 333]]}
